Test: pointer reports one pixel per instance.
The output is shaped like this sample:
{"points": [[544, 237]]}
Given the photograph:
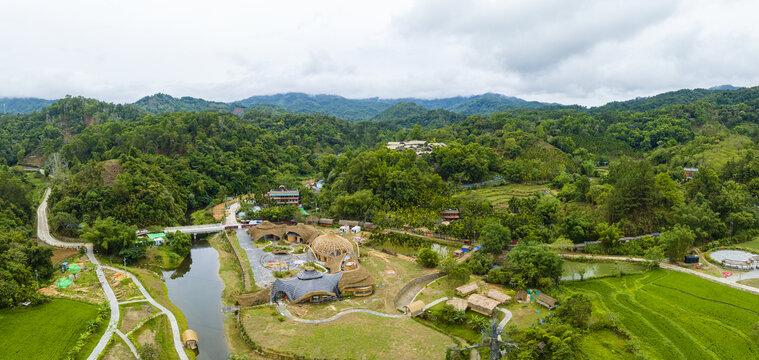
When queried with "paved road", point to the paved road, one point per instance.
{"points": [[43, 233], [668, 266]]}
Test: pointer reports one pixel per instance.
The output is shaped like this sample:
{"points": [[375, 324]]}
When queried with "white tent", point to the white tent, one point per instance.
{"points": [[345, 228], [356, 229]]}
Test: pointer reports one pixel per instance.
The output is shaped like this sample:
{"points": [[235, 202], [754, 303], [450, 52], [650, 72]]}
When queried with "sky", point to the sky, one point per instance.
{"points": [[571, 52]]}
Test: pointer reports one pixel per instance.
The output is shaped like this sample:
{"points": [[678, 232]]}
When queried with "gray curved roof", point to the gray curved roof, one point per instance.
{"points": [[306, 282]]}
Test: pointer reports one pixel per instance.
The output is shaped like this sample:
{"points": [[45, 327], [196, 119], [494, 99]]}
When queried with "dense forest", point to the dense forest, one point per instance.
{"points": [[20, 257], [614, 171]]}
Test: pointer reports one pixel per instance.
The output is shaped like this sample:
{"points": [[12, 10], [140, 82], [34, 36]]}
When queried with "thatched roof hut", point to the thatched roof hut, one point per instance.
{"points": [[465, 290], [190, 339], [546, 301], [498, 296], [522, 296], [415, 308], [458, 304], [358, 282], [337, 264], [284, 232], [330, 245], [482, 304]]}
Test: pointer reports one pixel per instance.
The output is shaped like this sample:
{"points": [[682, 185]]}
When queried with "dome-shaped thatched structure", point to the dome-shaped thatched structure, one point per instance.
{"points": [[330, 245]]}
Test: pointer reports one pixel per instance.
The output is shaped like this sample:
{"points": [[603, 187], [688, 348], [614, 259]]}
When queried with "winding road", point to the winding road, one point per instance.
{"points": [[43, 233]]}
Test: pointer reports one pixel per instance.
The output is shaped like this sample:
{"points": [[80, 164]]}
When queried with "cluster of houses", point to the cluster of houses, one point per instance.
{"points": [[419, 146], [484, 304]]}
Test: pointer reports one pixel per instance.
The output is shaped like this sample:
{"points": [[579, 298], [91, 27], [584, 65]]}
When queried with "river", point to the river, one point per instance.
{"points": [[195, 288]]}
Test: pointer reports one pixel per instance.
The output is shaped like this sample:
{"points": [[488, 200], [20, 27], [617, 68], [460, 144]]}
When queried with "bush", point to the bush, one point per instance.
{"points": [[149, 352], [428, 258]]}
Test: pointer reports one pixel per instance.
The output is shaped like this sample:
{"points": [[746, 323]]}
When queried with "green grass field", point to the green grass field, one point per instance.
{"points": [[676, 315], [46, 331], [753, 244], [354, 336], [499, 195]]}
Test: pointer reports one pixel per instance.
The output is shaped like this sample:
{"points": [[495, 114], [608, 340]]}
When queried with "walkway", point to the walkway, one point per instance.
{"points": [[172, 319], [286, 313], [43, 233], [668, 266]]}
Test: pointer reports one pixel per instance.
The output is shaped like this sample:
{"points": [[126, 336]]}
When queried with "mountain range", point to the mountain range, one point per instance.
{"points": [[379, 108]]}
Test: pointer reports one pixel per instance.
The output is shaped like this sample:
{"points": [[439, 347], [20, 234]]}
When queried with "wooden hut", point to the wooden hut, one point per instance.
{"points": [[458, 304], [466, 290], [498, 296], [190, 339], [482, 304], [326, 222], [330, 245], [415, 308], [522, 296], [546, 301]]}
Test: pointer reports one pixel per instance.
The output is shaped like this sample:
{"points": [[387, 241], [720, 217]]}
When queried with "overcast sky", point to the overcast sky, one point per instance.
{"points": [[584, 52]]}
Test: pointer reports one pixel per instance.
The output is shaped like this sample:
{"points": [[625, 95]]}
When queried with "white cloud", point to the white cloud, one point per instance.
{"points": [[585, 52]]}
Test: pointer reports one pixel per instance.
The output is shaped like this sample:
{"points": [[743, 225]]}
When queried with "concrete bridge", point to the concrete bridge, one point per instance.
{"points": [[200, 229]]}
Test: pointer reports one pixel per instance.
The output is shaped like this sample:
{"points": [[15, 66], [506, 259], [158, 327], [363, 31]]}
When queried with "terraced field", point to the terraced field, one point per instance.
{"points": [[678, 316], [499, 195]]}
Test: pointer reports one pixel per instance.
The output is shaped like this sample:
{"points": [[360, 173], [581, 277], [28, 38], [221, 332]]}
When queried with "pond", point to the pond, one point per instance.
{"points": [[442, 250], [572, 269], [195, 288]]}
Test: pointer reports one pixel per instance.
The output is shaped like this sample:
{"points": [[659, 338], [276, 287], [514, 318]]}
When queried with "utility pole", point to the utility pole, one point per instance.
{"points": [[124, 264], [36, 279]]}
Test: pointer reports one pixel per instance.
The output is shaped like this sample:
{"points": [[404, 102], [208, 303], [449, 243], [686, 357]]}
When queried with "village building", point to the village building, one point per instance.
{"points": [[326, 222], [465, 290], [482, 304], [458, 304], [498, 296], [546, 301], [157, 238], [689, 172], [415, 308], [419, 146], [299, 233], [283, 196], [356, 282], [450, 214], [308, 286]]}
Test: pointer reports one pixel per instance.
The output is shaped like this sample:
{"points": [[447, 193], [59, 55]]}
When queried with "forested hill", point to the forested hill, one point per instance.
{"points": [[159, 103], [364, 109], [407, 115], [10, 105], [720, 95]]}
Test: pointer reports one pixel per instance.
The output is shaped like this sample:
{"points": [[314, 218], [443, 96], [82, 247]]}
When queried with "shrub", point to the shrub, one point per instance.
{"points": [[428, 258]]}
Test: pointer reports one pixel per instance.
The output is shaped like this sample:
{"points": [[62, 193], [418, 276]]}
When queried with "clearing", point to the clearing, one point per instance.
{"points": [[354, 336], [46, 331], [676, 315]]}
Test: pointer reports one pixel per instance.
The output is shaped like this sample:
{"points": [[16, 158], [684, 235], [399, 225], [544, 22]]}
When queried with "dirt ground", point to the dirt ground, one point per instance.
{"points": [[132, 315], [118, 351], [59, 254]]}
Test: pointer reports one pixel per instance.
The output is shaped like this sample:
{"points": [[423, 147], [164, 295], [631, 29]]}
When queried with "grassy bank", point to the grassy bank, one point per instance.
{"points": [[46, 331], [229, 271]]}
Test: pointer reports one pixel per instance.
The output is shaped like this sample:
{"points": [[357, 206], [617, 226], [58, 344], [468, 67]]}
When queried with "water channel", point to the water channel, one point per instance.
{"points": [[195, 288]]}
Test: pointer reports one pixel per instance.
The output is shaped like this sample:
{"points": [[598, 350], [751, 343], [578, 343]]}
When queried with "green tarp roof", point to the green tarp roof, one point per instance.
{"points": [[156, 236], [63, 283]]}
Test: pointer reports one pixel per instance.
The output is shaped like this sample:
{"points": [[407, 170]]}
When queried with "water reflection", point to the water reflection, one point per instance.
{"points": [[195, 288]]}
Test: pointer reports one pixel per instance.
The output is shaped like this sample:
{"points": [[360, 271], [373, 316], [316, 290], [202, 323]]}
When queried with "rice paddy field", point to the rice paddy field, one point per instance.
{"points": [[677, 316], [499, 195], [46, 331]]}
